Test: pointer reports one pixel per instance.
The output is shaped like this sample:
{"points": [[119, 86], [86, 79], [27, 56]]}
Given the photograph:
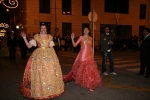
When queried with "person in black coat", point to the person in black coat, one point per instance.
{"points": [[12, 44], [145, 53], [23, 48], [56, 40], [106, 49], [67, 42]]}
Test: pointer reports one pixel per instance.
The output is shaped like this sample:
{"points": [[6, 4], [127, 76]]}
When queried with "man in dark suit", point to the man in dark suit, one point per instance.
{"points": [[106, 48], [23, 48], [12, 44], [56, 40], [145, 53], [67, 42]]}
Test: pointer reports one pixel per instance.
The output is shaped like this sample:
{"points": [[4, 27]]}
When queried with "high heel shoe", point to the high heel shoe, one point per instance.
{"points": [[91, 90]]}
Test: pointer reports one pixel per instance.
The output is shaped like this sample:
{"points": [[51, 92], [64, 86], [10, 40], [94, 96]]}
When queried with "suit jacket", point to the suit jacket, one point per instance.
{"points": [[22, 44], [145, 47], [55, 40], [12, 43], [104, 42]]}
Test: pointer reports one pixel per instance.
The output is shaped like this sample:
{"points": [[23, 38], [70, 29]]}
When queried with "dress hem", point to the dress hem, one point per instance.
{"points": [[49, 97]]}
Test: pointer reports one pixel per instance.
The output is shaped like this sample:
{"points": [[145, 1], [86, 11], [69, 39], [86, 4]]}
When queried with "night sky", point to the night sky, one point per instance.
{"points": [[4, 15]]}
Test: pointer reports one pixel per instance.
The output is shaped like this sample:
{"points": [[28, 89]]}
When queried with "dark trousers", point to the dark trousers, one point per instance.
{"points": [[62, 47], [23, 52], [104, 59], [66, 47], [56, 48], [145, 62], [12, 54]]}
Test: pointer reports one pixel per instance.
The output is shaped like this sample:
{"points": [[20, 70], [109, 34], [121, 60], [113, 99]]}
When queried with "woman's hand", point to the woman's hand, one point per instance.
{"points": [[72, 35], [110, 42], [139, 42], [23, 34], [72, 39]]}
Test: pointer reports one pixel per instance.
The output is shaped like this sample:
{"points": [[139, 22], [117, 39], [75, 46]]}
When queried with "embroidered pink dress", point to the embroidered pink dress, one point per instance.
{"points": [[84, 70]]}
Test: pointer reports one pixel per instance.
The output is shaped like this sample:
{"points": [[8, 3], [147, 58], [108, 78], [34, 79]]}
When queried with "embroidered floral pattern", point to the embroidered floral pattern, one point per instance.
{"points": [[43, 71]]}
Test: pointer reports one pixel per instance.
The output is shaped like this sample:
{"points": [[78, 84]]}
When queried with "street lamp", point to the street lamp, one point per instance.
{"points": [[13, 3], [17, 26]]}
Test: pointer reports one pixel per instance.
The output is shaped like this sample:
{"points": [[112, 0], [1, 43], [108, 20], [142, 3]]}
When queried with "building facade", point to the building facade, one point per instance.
{"points": [[126, 18]]}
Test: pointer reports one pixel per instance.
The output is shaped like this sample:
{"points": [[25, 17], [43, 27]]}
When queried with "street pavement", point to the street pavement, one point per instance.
{"points": [[126, 85]]}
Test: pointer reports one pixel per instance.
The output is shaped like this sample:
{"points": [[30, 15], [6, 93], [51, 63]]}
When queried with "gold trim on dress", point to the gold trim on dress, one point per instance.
{"points": [[43, 47]]}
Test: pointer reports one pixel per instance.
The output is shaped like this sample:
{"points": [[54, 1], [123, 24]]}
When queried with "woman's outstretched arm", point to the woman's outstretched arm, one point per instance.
{"points": [[73, 42], [25, 40]]}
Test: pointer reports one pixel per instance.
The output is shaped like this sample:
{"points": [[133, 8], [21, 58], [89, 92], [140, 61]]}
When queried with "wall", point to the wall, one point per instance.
{"points": [[34, 17]]}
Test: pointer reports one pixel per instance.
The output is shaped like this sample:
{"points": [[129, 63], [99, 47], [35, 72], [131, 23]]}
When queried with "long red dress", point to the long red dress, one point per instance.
{"points": [[85, 71]]}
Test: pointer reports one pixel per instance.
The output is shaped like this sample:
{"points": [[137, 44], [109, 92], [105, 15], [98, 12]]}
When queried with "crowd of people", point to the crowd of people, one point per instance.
{"points": [[65, 44], [4, 52], [120, 43], [123, 43]]}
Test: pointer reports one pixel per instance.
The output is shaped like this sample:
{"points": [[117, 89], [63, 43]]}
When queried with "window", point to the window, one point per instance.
{"points": [[117, 6], [125, 30], [141, 28], [66, 7], [85, 25], [66, 29], [120, 30], [86, 7], [44, 6], [142, 11], [48, 25]]}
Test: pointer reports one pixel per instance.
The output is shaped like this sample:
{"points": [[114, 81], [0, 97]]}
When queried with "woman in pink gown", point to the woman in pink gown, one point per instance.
{"points": [[84, 71]]}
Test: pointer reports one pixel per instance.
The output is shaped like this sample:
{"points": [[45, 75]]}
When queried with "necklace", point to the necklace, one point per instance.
{"points": [[43, 35], [86, 38]]}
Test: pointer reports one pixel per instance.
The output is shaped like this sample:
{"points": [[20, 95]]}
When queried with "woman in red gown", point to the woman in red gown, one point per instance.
{"points": [[84, 71]]}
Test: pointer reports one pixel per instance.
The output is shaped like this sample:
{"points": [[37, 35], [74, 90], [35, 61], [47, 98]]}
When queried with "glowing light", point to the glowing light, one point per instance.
{"points": [[7, 9], [12, 31], [4, 25], [1, 1], [2, 34], [17, 27], [13, 3], [2, 31]]}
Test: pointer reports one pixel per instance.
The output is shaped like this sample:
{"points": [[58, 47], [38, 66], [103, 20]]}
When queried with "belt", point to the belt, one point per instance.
{"points": [[43, 47]]}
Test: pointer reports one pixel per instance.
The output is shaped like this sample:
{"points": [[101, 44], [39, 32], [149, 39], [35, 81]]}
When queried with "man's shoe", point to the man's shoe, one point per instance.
{"points": [[104, 73], [146, 76], [113, 73], [140, 74]]}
